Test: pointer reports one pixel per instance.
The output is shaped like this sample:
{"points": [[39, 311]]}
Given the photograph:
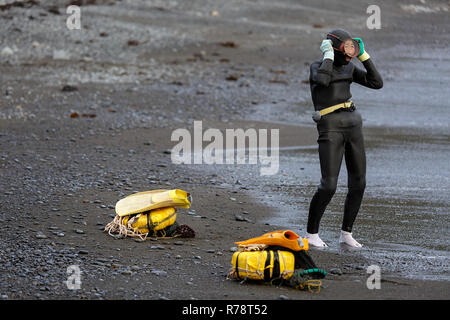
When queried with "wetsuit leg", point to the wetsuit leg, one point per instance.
{"points": [[355, 160], [331, 150]]}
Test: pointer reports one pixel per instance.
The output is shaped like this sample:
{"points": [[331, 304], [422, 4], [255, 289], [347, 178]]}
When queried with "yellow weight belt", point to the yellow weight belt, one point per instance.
{"points": [[331, 109]]}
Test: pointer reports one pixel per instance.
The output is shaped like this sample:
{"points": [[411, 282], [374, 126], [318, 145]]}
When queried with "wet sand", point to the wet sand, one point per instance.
{"points": [[62, 175]]}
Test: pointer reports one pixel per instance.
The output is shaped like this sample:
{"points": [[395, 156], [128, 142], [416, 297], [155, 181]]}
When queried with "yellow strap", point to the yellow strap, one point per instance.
{"points": [[335, 107], [313, 286], [364, 57]]}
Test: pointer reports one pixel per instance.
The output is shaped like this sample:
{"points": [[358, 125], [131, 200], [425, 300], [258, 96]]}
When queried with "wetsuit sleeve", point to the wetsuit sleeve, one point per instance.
{"points": [[370, 77], [321, 72]]}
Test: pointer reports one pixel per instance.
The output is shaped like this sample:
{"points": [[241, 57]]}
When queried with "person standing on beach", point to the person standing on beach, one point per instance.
{"points": [[339, 126]]}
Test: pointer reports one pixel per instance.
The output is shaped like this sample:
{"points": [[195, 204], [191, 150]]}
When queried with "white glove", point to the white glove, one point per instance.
{"points": [[327, 49]]}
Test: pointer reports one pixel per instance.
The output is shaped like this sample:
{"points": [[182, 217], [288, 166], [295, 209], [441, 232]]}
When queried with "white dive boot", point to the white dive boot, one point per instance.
{"points": [[347, 238], [315, 241]]}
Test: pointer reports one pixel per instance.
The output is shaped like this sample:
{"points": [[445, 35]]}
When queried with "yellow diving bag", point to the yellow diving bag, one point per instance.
{"points": [[156, 222], [153, 220], [264, 265]]}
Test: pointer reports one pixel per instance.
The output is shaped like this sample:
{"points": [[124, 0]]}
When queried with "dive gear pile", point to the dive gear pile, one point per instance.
{"points": [[150, 213], [275, 257]]}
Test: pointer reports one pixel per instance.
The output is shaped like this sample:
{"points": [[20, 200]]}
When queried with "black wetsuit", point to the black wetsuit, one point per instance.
{"points": [[340, 134]]}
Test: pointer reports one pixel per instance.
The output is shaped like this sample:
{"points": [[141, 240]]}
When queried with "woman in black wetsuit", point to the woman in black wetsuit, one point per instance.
{"points": [[340, 128]]}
